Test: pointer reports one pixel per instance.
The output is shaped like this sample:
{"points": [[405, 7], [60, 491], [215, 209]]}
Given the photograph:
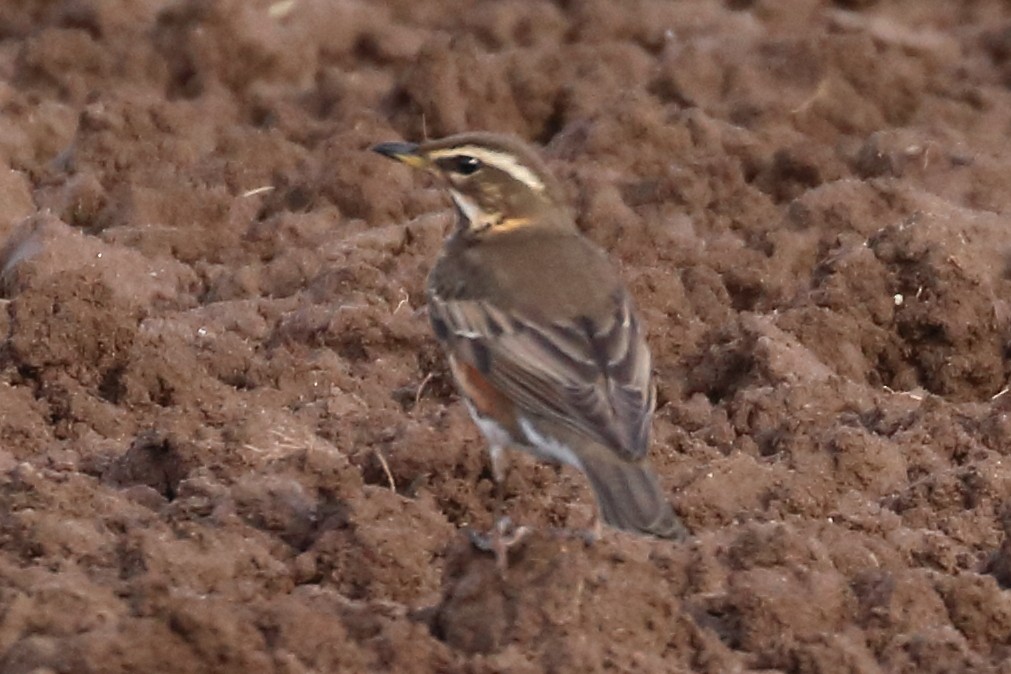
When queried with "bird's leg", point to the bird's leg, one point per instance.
{"points": [[502, 535], [499, 473]]}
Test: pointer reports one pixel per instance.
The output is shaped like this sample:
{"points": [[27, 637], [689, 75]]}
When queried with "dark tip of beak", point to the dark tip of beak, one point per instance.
{"points": [[397, 150]]}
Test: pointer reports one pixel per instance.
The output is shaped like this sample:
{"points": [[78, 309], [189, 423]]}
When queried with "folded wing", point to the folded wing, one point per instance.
{"points": [[592, 375]]}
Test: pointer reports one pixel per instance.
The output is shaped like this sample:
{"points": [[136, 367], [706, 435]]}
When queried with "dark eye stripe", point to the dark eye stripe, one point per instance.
{"points": [[461, 164]]}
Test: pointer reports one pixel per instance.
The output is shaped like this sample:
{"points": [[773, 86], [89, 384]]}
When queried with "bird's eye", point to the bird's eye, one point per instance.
{"points": [[465, 165]]}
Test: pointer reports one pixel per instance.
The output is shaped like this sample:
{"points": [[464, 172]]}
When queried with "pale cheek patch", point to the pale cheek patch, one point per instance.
{"points": [[467, 206]]}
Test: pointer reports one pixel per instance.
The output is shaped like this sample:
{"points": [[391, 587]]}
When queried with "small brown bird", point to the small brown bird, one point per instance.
{"points": [[541, 335]]}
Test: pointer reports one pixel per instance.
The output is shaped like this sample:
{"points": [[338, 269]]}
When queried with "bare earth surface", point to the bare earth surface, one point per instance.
{"points": [[229, 444]]}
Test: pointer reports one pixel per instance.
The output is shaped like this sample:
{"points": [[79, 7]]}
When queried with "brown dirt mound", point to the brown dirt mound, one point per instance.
{"points": [[229, 443]]}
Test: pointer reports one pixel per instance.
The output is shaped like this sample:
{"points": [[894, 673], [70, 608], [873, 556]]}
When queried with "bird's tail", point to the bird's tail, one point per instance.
{"points": [[629, 497]]}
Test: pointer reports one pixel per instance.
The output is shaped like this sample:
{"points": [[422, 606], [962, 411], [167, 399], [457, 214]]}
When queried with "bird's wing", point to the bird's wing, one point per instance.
{"points": [[592, 376]]}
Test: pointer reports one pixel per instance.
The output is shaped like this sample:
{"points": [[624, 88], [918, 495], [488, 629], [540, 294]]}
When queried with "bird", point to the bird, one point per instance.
{"points": [[541, 335]]}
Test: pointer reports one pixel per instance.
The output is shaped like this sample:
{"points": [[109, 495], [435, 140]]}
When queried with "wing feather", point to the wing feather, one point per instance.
{"points": [[593, 376]]}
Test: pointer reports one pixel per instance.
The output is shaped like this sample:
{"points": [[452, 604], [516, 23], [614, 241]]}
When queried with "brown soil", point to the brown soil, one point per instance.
{"points": [[229, 444]]}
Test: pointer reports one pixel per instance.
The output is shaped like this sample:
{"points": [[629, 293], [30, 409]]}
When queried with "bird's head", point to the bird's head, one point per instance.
{"points": [[497, 182]]}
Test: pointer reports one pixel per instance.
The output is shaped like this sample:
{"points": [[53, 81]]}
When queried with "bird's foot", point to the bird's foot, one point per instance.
{"points": [[499, 540]]}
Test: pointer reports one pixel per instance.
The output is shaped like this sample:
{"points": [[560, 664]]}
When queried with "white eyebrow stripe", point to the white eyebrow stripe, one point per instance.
{"points": [[500, 160]]}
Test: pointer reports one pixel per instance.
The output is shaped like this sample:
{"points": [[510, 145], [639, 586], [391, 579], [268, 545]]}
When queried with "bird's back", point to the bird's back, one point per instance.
{"points": [[556, 275]]}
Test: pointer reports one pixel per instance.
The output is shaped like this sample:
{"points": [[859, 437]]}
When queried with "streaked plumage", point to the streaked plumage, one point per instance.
{"points": [[541, 335]]}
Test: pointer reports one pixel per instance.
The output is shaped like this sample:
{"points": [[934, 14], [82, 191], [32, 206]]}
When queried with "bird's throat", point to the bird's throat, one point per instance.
{"points": [[472, 218], [475, 221]]}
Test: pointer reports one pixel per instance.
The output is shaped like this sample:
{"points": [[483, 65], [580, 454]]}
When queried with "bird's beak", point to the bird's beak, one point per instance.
{"points": [[406, 153]]}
